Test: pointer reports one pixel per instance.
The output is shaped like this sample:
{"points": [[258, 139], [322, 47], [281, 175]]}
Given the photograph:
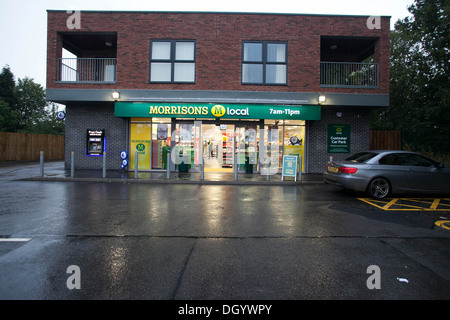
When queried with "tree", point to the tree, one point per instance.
{"points": [[420, 74], [7, 85], [49, 124], [23, 107], [30, 104], [8, 117]]}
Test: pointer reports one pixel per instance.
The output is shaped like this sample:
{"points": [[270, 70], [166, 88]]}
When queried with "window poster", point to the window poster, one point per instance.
{"points": [[140, 137]]}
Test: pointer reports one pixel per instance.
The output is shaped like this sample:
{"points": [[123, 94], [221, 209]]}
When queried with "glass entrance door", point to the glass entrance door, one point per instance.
{"points": [[230, 146], [218, 141], [247, 148]]}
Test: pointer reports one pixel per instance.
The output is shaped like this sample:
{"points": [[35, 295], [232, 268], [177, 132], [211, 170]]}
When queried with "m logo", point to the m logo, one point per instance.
{"points": [[140, 147], [218, 111]]}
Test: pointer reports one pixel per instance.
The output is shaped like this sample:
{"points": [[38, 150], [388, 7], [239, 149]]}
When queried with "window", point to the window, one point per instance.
{"points": [[172, 61], [390, 159], [264, 63], [407, 159], [361, 157]]}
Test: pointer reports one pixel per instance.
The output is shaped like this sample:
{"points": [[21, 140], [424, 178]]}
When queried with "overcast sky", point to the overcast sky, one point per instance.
{"points": [[23, 23]]}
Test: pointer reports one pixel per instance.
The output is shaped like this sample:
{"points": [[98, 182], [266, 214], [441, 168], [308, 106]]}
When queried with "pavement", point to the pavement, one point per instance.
{"points": [[55, 171]]}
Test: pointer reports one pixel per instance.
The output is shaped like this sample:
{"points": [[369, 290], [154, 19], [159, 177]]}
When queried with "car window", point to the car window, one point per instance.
{"points": [[390, 160], [361, 156], [408, 159]]}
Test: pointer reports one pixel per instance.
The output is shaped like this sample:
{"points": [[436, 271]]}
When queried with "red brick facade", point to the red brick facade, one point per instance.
{"points": [[219, 39]]}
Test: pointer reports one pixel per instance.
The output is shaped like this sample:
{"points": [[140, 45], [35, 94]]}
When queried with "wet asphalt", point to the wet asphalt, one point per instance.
{"points": [[205, 242]]}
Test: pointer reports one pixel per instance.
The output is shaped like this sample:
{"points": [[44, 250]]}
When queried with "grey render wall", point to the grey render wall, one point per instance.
{"points": [[359, 121], [79, 118]]}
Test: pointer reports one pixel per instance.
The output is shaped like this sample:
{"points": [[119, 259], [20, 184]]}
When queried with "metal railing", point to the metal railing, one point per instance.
{"points": [[87, 70], [349, 74]]}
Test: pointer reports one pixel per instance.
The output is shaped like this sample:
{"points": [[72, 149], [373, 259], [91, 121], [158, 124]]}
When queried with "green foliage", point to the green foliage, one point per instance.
{"points": [[23, 107], [420, 74]]}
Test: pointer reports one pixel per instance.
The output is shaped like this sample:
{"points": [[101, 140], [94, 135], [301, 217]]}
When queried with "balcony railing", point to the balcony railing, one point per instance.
{"points": [[87, 70], [349, 75]]}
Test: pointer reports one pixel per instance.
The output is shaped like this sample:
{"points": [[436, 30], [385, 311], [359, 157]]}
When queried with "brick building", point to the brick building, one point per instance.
{"points": [[237, 88]]}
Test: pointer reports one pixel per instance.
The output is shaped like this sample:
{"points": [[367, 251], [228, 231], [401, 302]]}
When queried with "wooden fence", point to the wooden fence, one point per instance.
{"points": [[385, 140], [27, 146]]}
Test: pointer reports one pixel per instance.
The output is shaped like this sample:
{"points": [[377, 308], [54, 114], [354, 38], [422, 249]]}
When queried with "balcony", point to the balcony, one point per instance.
{"points": [[348, 62], [349, 75], [86, 70], [87, 57]]}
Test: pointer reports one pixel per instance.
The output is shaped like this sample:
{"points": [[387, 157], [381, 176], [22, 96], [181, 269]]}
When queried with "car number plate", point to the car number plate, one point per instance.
{"points": [[333, 169]]}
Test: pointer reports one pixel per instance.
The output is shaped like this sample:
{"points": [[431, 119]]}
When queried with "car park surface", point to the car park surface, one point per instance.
{"points": [[207, 242]]}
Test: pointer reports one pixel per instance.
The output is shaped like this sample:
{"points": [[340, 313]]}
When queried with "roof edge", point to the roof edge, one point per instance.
{"points": [[224, 12]]}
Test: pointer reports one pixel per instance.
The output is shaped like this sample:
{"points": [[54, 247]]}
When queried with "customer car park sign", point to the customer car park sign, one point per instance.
{"points": [[338, 138]]}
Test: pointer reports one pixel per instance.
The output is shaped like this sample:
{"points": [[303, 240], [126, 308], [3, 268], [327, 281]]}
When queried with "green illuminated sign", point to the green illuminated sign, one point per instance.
{"points": [[338, 138], [221, 111]]}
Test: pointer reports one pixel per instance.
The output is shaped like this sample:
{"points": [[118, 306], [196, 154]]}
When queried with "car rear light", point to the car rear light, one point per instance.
{"points": [[348, 169]]}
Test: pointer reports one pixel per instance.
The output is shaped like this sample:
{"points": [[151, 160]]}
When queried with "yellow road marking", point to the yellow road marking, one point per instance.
{"points": [[389, 204], [395, 204], [435, 203], [443, 223]]}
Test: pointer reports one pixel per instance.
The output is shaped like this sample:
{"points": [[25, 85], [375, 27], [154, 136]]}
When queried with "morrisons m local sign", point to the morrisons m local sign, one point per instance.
{"points": [[224, 111]]}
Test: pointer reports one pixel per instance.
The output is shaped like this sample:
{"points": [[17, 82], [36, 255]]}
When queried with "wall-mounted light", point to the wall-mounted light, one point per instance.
{"points": [[322, 99], [115, 95], [338, 114]]}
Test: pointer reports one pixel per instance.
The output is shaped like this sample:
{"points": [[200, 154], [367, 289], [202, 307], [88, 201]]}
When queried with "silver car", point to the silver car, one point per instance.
{"points": [[380, 173]]}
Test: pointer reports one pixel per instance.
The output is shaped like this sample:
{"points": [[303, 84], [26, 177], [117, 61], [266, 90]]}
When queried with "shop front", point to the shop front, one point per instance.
{"points": [[247, 138]]}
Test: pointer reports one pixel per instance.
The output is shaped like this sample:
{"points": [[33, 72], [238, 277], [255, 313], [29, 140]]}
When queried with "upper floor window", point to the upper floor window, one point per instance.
{"points": [[264, 62], [172, 61]]}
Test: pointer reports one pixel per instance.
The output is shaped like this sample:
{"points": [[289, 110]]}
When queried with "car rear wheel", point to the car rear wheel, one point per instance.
{"points": [[379, 188]]}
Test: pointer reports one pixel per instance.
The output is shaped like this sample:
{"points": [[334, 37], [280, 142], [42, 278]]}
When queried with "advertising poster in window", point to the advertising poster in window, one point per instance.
{"points": [[140, 134], [338, 138]]}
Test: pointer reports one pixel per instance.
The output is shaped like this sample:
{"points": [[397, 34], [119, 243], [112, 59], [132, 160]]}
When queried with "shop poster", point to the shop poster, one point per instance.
{"points": [[141, 143]]}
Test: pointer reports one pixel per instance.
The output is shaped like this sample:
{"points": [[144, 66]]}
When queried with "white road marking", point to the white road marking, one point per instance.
{"points": [[14, 239]]}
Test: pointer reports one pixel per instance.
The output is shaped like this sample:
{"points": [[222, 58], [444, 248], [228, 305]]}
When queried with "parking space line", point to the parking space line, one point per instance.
{"points": [[435, 203], [409, 204], [443, 224], [390, 203]]}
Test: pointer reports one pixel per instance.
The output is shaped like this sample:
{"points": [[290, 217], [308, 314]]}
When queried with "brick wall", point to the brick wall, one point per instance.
{"points": [[359, 121], [80, 118], [219, 39]]}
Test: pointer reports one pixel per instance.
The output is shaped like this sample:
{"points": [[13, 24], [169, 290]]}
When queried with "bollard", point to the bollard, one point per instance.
{"points": [[72, 164], [168, 166], [42, 163], [235, 168], [104, 164], [203, 168], [299, 168], [136, 165]]}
